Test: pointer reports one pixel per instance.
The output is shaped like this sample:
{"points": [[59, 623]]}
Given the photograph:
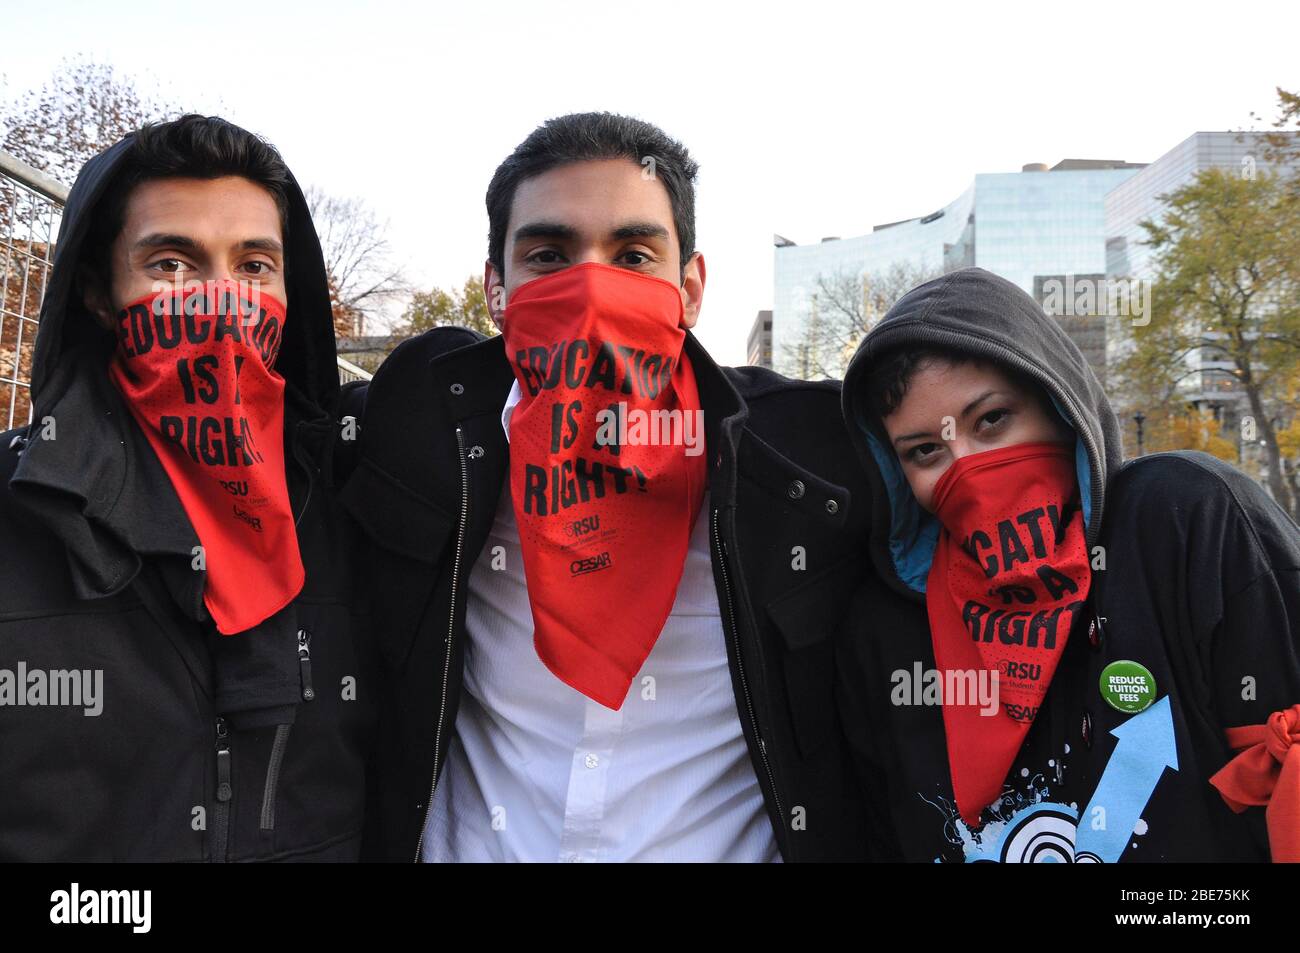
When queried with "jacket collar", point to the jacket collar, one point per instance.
{"points": [[98, 486], [86, 473], [475, 380], [449, 378]]}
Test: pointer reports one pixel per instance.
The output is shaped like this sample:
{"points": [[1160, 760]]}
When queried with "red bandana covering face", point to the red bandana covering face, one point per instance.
{"points": [[603, 525], [195, 368], [1009, 574]]}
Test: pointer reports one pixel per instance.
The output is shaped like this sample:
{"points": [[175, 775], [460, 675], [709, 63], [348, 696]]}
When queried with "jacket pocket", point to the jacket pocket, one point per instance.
{"points": [[807, 617], [396, 518], [301, 789]]}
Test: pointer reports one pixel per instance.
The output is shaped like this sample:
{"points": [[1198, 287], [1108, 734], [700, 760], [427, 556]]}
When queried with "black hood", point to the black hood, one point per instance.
{"points": [[307, 355], [988, 317]]}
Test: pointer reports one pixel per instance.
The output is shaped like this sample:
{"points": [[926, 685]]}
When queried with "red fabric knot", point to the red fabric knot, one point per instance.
{"points": [[1266, 772], [1283, 732]]}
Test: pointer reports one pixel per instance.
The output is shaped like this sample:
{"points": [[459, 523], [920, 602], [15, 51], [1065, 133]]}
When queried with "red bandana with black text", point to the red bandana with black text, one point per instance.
{"points": [[606, 483], [1010, 573], [195, 369]]}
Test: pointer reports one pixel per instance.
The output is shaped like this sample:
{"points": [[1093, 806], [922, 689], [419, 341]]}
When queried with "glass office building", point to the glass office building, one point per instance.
{"points": [[1021, 225], [1138, 199], [1128, 257]]}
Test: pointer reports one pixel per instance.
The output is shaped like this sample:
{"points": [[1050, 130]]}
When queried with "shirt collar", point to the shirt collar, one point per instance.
{"points": [[515, 396]]}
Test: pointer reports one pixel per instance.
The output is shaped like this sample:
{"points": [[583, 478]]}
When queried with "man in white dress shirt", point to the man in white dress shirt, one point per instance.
{"points": [[687, 714]]}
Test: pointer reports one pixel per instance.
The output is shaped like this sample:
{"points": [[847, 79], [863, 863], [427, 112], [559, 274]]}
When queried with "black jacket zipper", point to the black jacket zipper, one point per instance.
{"points": [[273, 776], [304, 664], [740, 667], [221, 815], [282, 734], [451, 629]]}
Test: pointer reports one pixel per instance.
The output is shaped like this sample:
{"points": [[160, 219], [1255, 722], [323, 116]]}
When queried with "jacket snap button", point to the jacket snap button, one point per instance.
{"points": [[475, 452], [832, 506], [1096, 634], [458, 389], [796, 490], [1086, 728]]}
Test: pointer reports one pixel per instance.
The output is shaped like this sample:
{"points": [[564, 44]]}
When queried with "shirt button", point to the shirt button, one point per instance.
{"points": [[796, 490], [592, 761]]}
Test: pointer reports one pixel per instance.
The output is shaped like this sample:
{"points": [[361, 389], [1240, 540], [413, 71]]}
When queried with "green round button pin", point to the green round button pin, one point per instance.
{"points": [[1128, 686]]}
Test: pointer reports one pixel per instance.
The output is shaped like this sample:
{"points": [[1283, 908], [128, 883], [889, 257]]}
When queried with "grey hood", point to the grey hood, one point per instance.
{"points": [[988, 317]]}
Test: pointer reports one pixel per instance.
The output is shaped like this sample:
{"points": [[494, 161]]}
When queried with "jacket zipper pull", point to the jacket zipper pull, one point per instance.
{"points": [[304, 664], [224, 790]]}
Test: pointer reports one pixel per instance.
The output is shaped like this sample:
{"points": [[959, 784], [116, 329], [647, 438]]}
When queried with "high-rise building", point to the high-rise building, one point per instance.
{"points": [[1020, 225], [1209, 383], [1138, 198], [759, 349], [1085, 326]]}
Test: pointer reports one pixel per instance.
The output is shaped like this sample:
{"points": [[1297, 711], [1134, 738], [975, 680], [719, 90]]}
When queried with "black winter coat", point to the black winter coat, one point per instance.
{"points": [[99, 596], [781, 475]]}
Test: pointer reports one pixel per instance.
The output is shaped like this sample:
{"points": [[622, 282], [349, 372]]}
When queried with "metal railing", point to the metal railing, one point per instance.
{"points": [[350, 372], [31, 209]]}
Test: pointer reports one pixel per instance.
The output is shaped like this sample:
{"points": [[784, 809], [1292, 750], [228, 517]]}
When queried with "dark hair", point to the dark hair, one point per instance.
{"points": [[582, 137], [193, 146], [890, 374]]}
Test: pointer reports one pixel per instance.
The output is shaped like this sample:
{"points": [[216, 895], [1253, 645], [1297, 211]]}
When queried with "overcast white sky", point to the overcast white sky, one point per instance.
{"points": [[808, 118]]}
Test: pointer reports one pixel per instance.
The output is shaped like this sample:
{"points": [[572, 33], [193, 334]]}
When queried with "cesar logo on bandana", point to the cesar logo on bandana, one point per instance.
{"points": [[590, 564]]}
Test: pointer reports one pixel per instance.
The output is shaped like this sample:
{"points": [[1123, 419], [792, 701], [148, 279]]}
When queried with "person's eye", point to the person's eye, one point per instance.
{"points": [[635, 258], [259, 268], [545, 256], [923, 452], [168, 265], [994, 419]]}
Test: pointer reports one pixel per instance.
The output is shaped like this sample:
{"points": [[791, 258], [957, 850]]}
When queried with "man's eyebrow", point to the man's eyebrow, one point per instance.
{"points": [[262, 244], [639, 230], [545, 230], [167, 240]]}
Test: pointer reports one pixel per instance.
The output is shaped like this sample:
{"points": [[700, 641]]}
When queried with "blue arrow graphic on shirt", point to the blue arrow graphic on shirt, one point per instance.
{"points": [[1146, 747]]}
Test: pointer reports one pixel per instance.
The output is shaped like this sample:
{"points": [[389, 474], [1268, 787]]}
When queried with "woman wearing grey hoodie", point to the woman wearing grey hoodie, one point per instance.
{"points": [[1060, 656]]}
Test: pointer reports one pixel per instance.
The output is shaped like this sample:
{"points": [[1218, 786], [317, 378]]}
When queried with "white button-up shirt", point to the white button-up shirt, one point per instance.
{"points": [[536, 771]]}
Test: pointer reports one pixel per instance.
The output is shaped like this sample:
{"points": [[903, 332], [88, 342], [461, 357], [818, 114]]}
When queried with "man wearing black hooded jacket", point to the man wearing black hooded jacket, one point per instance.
{"points": [[183, 676]]}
